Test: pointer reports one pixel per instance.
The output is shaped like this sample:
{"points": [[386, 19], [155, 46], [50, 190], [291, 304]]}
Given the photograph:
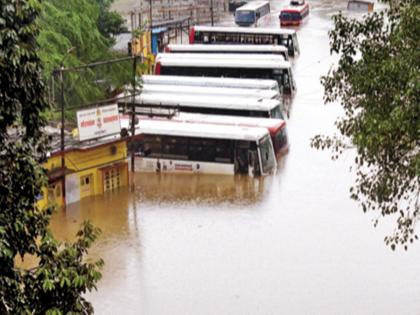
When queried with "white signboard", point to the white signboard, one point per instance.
{"points": [[98, 122]]}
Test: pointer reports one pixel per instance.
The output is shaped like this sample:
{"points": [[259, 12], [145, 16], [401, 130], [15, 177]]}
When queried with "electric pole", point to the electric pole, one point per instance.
{"points": [[211, 13]]}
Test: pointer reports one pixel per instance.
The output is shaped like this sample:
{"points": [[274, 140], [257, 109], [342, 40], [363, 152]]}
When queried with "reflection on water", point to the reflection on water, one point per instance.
{"points": [[213, 189], [113, 213]]}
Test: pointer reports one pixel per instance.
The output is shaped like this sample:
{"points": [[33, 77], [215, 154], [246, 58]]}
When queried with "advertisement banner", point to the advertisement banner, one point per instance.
{"points": [[98, 122]]}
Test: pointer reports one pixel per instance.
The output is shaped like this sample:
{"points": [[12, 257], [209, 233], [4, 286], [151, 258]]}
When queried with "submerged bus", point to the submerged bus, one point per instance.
{"points": [[261, 84], [251, 57], [251, 13], [229, 49], [245, 35], [294, 14], [148, 103], [236, 66], [182, 147], [234, 4], [276, 127], [203, 91]]}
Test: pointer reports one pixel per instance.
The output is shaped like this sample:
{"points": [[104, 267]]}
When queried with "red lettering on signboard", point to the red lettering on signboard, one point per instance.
{"points": [[110, 119], [87, 123], [183, 167]]}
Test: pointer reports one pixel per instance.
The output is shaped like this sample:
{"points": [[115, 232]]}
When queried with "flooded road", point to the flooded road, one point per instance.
{"points": [[293, 243]]}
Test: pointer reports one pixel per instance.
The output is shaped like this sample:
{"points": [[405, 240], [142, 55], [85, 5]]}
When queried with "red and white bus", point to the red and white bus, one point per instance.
{"points": [[276, 127], [183, 147], [294, 14], [245, 35]]}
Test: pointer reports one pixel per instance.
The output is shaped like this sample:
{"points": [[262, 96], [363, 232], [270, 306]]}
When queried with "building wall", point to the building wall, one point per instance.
{"points": [[198, 10], [86, 171]]}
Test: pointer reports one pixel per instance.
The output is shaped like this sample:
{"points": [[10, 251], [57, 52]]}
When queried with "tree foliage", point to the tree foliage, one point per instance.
{"points": [[61, 275], [377, 81], [67, 24], [110, 23]]}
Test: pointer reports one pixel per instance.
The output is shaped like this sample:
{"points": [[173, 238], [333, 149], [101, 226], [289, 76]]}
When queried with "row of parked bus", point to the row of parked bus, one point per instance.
{"points": [[214, 108]]}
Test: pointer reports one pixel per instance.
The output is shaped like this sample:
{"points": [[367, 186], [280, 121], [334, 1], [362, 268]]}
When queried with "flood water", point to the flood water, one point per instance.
{"points": [[293, 243]]}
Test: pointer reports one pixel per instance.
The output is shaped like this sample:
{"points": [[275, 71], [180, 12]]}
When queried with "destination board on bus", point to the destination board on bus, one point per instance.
{"points": [[98, 122]]}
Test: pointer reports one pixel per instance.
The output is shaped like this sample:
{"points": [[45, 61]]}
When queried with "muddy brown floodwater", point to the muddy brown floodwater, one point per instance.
{"points": [[292, 243]]}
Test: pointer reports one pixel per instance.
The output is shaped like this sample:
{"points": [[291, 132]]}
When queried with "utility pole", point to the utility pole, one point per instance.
{"points": [[151, 12], [133, 109], [211, 13], [61, 100], [62, 145]]}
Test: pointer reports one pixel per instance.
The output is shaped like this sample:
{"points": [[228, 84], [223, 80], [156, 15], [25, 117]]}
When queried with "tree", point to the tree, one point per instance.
{"points": [[61, 275], [377, 81], [66, 24], [110, 23]]}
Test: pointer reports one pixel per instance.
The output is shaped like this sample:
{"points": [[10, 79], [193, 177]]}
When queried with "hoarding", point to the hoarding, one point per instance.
{"points": [[98, 122]]}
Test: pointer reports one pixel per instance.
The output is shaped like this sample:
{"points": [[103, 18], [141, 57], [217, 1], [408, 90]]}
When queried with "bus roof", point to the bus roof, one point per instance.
{"points": [[244, 30], [224, 102], [207, 56], [295, 8], [205, 90], [231, 120], [210, 81], [199, 130], [220, 61], [273, 124], [227, 48], [253, 5]]}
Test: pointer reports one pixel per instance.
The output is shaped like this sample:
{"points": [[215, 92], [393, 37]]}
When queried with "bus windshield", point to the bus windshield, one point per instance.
{"points": [[276, 113], [267, 155], [245, 16], [290, 16]]}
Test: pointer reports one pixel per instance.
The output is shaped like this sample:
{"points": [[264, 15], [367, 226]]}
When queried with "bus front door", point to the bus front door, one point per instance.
{"points": [[241, 160], [253, 164]]}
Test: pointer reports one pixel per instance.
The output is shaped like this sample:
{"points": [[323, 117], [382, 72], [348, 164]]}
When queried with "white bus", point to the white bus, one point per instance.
{"points": [[229, 49], [275, 127], [236, 66], [149, 103], [251, 13], [218, 56], [173, 146], [261, 84], [245, 35], [203, 91]]}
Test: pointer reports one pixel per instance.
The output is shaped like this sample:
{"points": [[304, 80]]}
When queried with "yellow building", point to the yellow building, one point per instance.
{"points": [[89, 170], [142, 45]]}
